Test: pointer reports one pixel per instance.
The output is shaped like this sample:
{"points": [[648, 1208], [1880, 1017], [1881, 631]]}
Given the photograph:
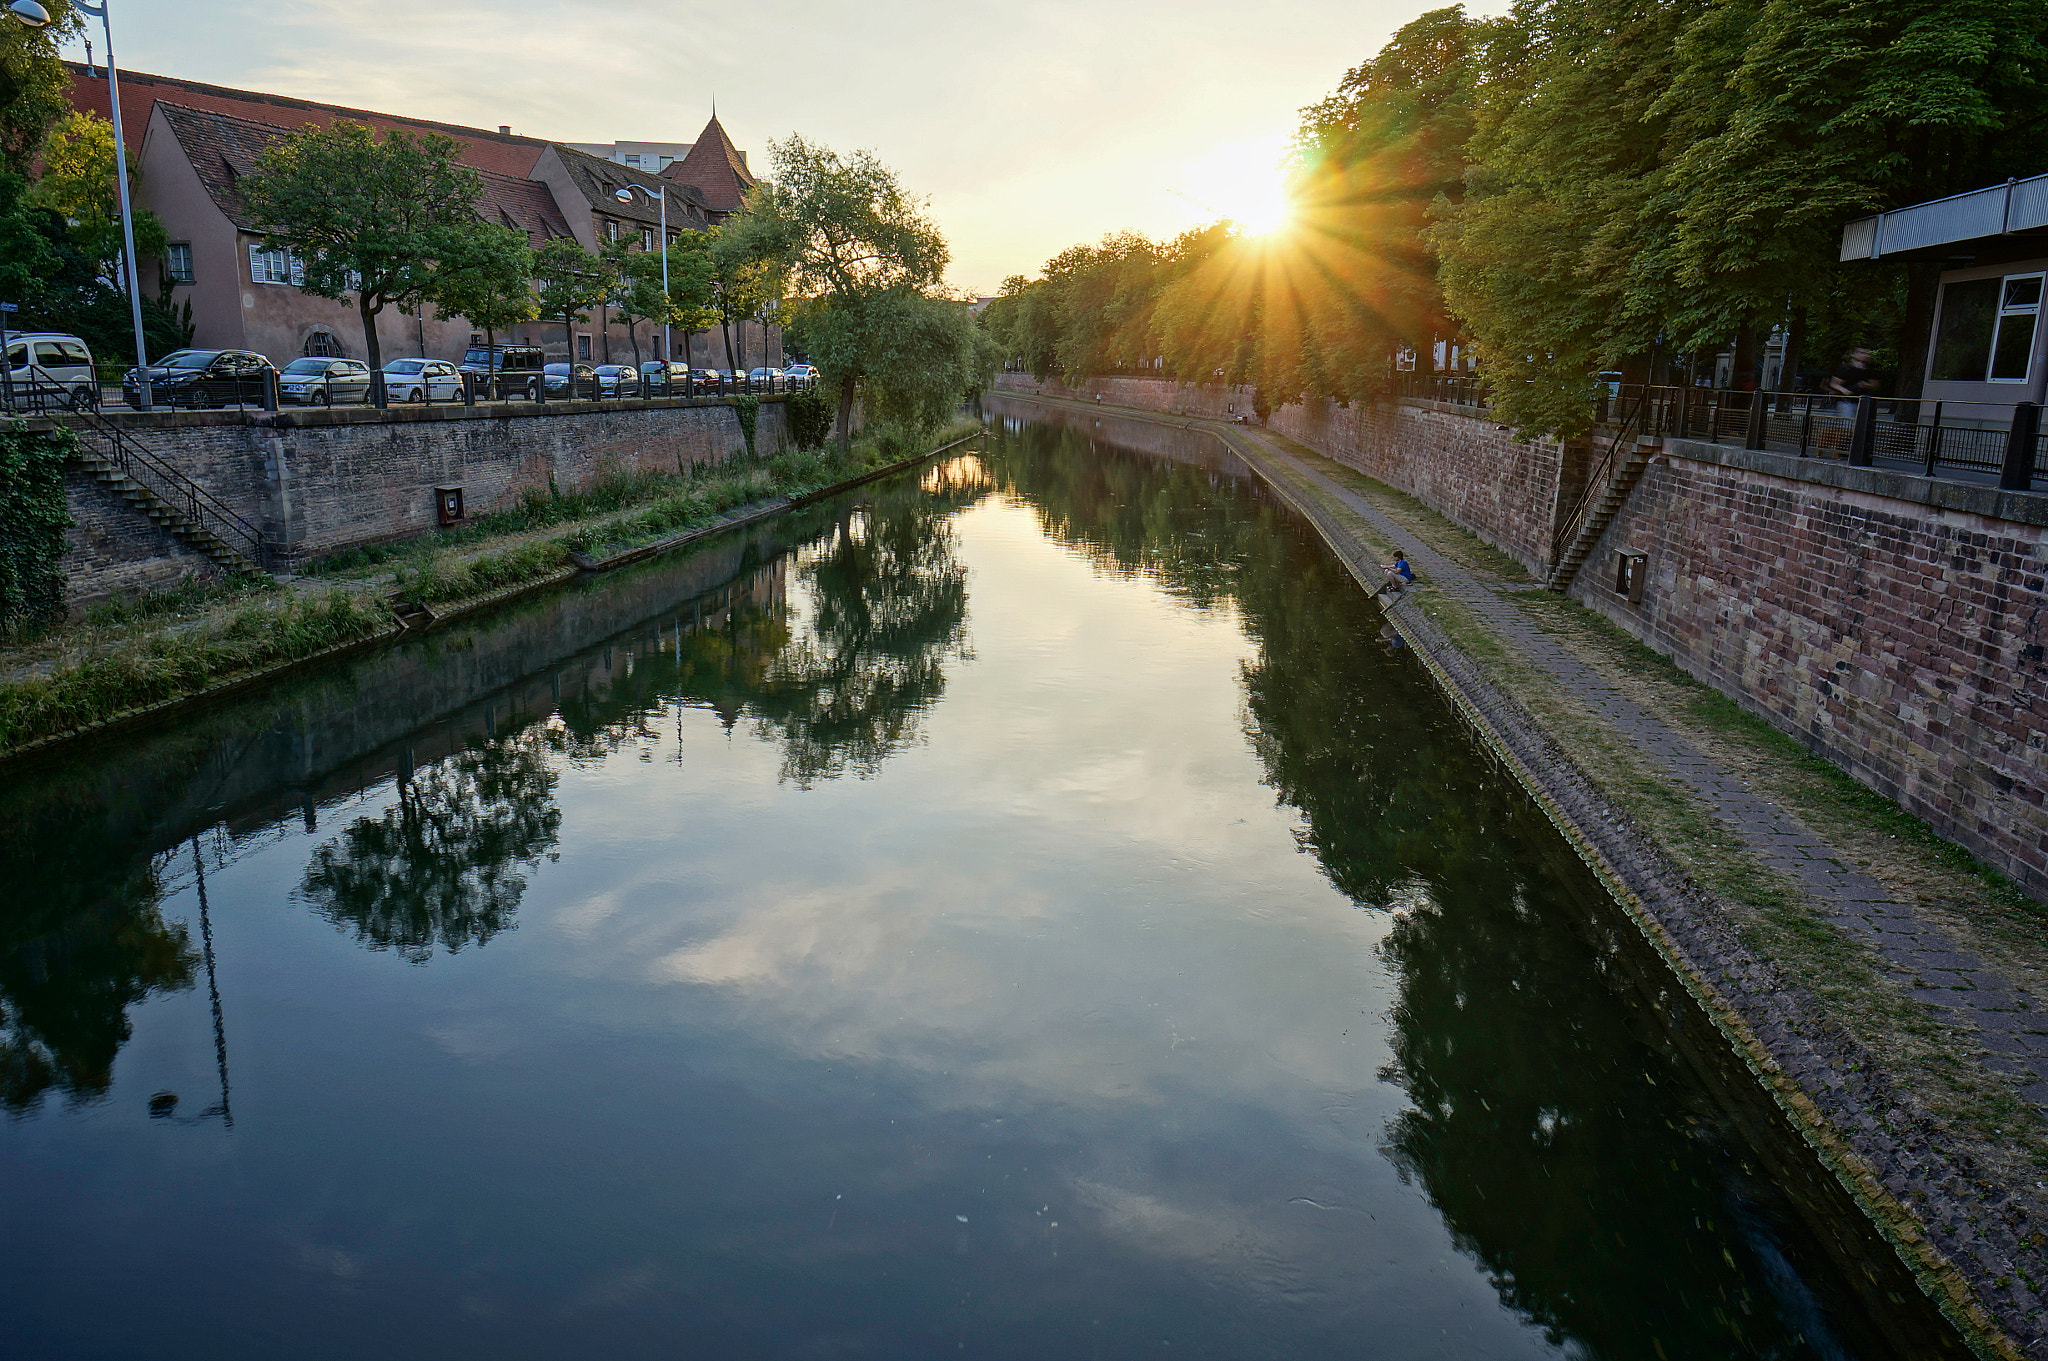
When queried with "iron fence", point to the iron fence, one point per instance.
{"points": [[1999, 442]]}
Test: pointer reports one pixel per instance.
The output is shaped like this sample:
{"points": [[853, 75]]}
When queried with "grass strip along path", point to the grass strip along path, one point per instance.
{"points": [[1877, 981]]}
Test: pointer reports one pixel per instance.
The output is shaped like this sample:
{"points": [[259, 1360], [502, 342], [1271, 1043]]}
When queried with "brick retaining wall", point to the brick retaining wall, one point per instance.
{"points": [[1894, 624], [1470, 471], [322, 481]]}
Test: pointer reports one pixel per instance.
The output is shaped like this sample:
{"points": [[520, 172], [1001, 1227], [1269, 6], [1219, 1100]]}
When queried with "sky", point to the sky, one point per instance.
{"points": [[1027, 127]]}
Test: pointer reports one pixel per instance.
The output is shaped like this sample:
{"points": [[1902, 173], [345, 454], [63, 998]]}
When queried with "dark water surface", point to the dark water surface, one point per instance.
{"points": [[1023, 909]]}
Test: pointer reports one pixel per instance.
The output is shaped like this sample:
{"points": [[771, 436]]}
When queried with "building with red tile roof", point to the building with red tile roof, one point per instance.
{"points": [[715, 168], [196, 141]]}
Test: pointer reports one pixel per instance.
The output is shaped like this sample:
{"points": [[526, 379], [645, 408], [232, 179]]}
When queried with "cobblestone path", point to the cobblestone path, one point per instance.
{"points": [[2008, 1022]]}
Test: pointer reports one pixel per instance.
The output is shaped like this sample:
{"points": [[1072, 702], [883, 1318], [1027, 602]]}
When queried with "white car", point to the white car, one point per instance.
{"points": [[413, 380], [52, 369], [800, 375]]}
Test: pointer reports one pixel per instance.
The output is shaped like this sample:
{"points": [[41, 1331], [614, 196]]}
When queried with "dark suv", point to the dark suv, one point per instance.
{"points": [[505, 370]]}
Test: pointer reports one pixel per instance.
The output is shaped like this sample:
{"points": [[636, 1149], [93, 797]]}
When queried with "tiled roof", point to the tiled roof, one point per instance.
{"points": [[486, 150], [598, 179], [716, 168], [223, 148]]}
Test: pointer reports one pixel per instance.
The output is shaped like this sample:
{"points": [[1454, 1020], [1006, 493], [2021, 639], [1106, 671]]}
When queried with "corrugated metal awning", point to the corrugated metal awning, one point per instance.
{"points": [[2015, 207]]}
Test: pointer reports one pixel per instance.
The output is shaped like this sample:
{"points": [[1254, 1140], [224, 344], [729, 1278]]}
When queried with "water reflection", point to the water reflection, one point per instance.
{"points": [[957, 997], [81, 941], [440, 866]]}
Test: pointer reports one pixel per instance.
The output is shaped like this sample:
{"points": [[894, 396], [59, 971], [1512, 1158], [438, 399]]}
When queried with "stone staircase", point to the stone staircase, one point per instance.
{"points": [[1597, 516], [191, 532], [146, 481]]}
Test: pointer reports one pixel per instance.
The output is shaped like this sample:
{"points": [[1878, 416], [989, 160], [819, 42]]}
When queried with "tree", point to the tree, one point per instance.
{"points": [[569, 281], [389, 221], [35, 87], [78, 185], [741, 290], [861, 262], [488, 281]]}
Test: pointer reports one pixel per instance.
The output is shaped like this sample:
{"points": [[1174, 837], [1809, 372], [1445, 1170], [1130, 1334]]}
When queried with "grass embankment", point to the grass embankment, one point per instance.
{"points": [[162, 645], [1916, 1045], [266, 632]]}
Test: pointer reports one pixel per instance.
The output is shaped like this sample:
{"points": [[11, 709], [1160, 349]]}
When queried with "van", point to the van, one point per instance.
{"points": [[49, 369], [505, 370]]}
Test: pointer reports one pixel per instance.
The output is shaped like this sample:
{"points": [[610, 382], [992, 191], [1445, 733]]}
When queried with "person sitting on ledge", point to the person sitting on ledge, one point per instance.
{"points": [[1399, 574]]}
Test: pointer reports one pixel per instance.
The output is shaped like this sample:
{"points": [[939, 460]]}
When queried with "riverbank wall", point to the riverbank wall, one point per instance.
{"points": [[320, 481], [1895, 625]]}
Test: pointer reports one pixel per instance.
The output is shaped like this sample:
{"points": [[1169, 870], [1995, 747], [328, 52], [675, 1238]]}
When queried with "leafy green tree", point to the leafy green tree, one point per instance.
{"points": [[861, 262], [637, 294], [385, 220], [35, 85], [489, 283], [78, 185], [569, 281], [741, 290]]}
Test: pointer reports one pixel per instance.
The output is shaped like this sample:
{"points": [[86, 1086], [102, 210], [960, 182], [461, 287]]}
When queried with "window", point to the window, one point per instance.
{"points": [[632, 158], [2019, 314], [178, 262], [611, 229], [275, 267], [321, 344], [647, 238], [1987, 329], [583, 347]]}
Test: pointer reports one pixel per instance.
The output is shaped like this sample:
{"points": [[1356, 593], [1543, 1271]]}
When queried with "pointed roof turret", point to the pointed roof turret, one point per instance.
{"points": [[715, 168]]}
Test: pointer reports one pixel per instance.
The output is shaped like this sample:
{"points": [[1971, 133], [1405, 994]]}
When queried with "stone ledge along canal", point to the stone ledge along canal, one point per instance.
{"points": [[1024, 908]]}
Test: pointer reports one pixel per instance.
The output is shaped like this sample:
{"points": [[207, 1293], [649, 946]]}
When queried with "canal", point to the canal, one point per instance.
{"points": [[1026, 908]]}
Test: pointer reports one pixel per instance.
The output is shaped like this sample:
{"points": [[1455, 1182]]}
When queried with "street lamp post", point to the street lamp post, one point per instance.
{"points": [[35, 16], [668, 353]]}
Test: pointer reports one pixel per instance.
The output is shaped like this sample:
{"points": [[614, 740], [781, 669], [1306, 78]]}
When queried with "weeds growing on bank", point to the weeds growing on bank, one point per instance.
{"points": [[173, 664]]}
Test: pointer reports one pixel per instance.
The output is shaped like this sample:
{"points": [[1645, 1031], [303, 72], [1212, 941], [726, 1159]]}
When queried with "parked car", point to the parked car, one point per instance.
{"points": [[413, 380], [765, 379], [503, 371], [197, 378], [617, 380], [708, 380], [324, 381], [49, 368], [800, 375], [659, 379], [558, 376]]}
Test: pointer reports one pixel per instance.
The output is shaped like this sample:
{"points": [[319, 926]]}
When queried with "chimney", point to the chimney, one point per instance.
{"points": [[504, 129]]}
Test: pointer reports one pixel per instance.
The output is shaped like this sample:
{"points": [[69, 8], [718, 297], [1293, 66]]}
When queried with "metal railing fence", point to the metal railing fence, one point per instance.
{"points": [[1975, 441]]}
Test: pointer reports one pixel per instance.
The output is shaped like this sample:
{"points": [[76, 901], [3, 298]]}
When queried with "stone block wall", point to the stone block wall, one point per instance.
{"points": [[1895, 625], [322, 481], [111, 549], [1471, 471]]}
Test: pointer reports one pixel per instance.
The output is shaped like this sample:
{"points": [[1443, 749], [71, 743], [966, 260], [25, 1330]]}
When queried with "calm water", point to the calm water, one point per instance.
{"points": [[1022, 910]]}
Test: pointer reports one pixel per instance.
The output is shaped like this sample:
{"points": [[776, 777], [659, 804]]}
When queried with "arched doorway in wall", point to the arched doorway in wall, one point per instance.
{"points": [[321, 343]]}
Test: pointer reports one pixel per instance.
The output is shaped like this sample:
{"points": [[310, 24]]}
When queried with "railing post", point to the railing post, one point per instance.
{"points": [[1863, 434], [1934, 442], [1806, 427], [2020, 441], [1758, 409], [270, 389]]}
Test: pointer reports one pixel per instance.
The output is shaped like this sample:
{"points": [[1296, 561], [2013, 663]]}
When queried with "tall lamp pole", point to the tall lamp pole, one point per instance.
{"points": [[35, 16], [668, 352]]}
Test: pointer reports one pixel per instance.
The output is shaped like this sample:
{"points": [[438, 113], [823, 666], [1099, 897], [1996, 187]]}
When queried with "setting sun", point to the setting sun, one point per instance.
{"points": [[1241, 181]]}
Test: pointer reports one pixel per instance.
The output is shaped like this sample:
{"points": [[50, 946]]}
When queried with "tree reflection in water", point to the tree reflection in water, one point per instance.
{"points": [[1550, 1123], [440, 867], [81, 941]]}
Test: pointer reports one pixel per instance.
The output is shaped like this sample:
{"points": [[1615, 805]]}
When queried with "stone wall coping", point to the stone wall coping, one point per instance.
{"points": [[2019, 507]]}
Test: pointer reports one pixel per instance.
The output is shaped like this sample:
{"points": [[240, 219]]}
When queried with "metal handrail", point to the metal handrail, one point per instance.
{"points": [[177, 490], [1596, 481]]}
